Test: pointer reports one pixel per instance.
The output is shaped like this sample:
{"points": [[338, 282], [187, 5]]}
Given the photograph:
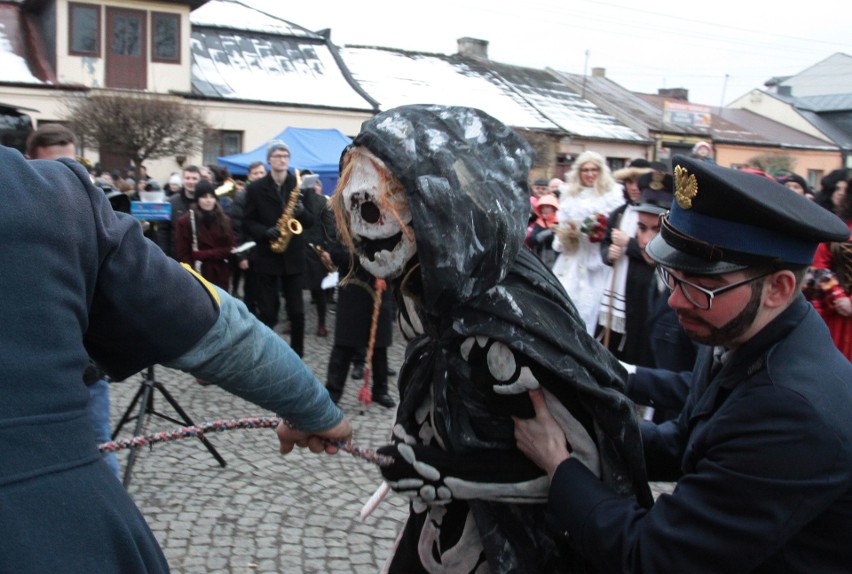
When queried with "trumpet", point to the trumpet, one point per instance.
{"points": [[324, 257], [287, 224]]}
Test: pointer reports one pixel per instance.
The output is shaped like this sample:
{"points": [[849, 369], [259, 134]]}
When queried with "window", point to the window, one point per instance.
{"points": [[616, 163], [126, 35], [221, 142], [84, 34], [165, 37]]}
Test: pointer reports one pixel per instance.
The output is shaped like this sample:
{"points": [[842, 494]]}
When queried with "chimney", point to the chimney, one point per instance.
{"points": [[674, 93], [473, 48], [785, 90], [599, 72]]}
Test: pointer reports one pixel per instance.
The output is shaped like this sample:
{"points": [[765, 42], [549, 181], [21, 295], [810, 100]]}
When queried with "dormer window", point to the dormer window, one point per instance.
{"points": [[84, 38]]}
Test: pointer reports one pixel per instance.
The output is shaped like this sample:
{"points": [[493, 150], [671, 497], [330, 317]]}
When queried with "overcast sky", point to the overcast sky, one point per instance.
{"points": [[717, 50]]}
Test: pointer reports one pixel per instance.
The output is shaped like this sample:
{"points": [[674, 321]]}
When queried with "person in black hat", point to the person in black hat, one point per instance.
{"points": [[205, 237], [634, 346], [540, 187], [630, 272], [798, 184], [762, 450], [667, 345]]}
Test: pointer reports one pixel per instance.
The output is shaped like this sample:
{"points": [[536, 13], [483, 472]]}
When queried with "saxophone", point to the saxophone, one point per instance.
{"points": [[287, 224]]}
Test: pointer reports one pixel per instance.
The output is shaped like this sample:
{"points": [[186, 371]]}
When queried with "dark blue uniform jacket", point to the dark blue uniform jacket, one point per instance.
{"points": [[763, 458]]}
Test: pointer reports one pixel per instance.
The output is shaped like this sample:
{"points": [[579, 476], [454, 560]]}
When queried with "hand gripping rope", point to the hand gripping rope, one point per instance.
{"points": [[220, 426]]}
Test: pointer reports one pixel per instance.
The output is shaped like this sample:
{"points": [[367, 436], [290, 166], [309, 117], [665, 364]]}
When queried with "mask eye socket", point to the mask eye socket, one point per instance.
{"points": [[370, 212]]}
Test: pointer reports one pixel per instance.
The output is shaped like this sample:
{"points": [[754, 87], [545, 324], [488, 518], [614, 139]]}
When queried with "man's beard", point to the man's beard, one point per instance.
{"points": [[734, 328]]}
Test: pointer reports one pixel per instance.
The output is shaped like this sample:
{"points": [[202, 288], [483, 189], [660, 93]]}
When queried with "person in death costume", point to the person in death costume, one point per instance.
{"points": [[434, 199]]}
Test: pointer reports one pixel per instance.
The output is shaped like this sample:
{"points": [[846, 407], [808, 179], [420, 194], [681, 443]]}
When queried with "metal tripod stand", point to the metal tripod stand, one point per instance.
{"points": [[144, 398]]}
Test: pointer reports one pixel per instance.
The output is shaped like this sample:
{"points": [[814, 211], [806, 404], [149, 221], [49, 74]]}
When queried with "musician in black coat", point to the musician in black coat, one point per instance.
{"points": [[316, 245], [266, 199], [355, 303]]}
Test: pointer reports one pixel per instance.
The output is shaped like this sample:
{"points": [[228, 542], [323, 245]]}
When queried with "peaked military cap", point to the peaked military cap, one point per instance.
{"points": [[724, 220], [656, 193]]}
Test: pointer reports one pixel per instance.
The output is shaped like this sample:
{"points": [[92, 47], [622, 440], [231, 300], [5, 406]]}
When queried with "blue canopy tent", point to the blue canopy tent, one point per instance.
{"points": [[316, 150]]}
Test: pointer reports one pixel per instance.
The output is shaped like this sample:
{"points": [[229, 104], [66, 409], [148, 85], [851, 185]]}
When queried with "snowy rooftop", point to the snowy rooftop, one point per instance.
{"points": [[12, 62], [396, 77], [241, 53], [234, 15]]}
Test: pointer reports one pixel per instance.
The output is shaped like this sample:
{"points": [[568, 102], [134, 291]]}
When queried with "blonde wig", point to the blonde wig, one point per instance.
{"points": [[603, 184]]}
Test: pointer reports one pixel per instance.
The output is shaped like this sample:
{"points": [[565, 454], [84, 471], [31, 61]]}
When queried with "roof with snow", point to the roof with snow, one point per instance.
{"points": [[12, 48], [519, 97], [241, 53]]}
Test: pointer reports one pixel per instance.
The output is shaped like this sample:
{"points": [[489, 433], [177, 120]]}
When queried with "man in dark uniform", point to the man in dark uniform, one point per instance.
{"points": [[266, 200], [85, 282], [353, 325], [762, 450]]}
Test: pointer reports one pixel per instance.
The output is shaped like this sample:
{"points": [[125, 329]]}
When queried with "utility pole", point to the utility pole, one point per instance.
{"points": [[724, 89]]}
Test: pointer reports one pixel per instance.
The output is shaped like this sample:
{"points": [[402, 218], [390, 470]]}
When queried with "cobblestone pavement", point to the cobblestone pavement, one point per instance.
{"points": [[263, 512]]}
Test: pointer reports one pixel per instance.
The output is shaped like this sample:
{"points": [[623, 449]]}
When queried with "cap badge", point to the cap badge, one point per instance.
{"points": [[686, 187], [656, 181]]}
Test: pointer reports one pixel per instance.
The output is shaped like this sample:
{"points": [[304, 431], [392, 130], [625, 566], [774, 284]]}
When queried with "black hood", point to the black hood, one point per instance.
{"points": [[465, 176]]}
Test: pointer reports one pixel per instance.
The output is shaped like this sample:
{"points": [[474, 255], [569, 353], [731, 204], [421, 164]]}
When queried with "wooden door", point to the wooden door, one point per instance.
{"points": [[126, 49]]}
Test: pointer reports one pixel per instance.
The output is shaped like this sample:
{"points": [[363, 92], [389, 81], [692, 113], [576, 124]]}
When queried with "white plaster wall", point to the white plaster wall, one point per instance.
{"points": [[767, 105], [90, 72]]}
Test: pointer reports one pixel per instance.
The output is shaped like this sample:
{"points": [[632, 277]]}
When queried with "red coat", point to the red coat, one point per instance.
{"points": [[839, 260], [214, 247]]}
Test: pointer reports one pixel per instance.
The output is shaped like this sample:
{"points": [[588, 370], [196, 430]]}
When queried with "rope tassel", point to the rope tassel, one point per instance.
{"points": [[365, 395]]}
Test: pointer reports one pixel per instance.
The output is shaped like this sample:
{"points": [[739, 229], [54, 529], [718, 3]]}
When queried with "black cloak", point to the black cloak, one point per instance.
{"points": [[465, 176]]}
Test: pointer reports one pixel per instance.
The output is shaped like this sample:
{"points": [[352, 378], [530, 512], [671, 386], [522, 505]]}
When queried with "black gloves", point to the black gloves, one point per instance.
{"points": [[299, 210], [272, 234]]}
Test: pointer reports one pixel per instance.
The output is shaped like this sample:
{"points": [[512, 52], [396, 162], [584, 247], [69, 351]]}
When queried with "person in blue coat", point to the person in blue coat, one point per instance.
{"points": [[80, 280], [762, 450]]}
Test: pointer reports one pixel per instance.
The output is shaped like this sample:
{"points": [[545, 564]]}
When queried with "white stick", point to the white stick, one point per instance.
{"points": [[374, 501]]}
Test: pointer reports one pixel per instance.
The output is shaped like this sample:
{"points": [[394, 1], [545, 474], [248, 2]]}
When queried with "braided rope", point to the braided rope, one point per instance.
{"points": [[365, 395], [247, 423]]}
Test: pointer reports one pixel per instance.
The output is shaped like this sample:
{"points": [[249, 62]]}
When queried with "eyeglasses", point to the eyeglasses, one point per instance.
{"points": [[700, 296], [280, 156], [590, 170]]}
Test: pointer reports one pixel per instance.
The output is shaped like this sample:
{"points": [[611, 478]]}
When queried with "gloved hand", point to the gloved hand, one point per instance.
{"points": [[272, 234], [544, 236], [299, 210]]}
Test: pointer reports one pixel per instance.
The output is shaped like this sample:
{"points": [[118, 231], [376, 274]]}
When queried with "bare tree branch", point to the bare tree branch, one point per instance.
{"points": [[139, 126]]}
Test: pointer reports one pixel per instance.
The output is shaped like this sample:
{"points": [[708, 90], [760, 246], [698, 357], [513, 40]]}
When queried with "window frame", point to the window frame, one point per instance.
{"points": [[74, 6], [217, 138], [155, 16]]}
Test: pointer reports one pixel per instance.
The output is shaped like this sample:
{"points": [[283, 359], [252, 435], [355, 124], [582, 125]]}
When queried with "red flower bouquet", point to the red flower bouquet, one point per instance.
{"points": [[594, 227]]}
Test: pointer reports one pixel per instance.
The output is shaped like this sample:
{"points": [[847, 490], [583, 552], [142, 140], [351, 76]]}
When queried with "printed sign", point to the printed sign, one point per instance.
{"points": [[151, 210], [686, 114]]}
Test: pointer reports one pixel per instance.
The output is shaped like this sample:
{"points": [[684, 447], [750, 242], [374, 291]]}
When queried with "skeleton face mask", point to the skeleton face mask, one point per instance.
{"points": [[379, 217]]}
